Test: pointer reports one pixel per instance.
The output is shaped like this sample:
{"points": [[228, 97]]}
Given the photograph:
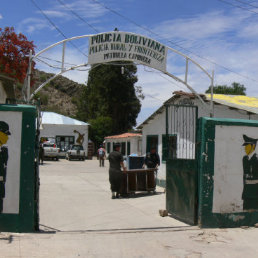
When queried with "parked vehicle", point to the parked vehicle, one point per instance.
{"points": [[76, 152], [51, 151]]}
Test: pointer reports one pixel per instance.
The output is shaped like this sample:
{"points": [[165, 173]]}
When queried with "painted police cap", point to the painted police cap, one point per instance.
{"points": [[249, 140], [4, 127]]}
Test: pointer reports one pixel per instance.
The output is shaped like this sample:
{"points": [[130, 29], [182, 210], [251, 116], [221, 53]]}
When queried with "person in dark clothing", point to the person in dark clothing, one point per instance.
{"points": [[115, 174], [152, 159], [4, 136], [41, 153]]}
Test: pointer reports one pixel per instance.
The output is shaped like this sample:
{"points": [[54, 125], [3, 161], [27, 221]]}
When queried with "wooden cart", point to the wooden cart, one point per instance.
{"points": [[139, 180]]}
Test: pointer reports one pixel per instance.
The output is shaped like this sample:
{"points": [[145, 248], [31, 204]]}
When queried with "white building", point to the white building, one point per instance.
{"points": [[181, 119], [64, 130], [131, 143]]}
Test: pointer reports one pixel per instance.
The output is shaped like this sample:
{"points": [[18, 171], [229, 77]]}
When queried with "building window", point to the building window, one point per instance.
{"points": [[128, 148], [64, 142], [152, 142], [169, 147], [108, 147], [123, 148]]}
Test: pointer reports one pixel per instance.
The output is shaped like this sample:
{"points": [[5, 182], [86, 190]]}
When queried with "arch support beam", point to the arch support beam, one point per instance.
{"points": [[128, 50]]}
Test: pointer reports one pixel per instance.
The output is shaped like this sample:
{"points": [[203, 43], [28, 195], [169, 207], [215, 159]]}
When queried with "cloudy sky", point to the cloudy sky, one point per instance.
{"points": [[220, 35]]}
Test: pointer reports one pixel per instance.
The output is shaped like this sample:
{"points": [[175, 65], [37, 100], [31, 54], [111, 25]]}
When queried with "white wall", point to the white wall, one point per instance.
{"points": [[134, 144], [52, 130], [222, 111], [156, 127]]}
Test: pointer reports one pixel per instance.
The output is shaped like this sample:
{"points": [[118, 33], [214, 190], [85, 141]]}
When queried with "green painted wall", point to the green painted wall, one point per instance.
{"points": [[26, 219], [207, 139]]}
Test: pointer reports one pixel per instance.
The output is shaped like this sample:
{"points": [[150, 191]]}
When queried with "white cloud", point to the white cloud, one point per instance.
{"points": [[205, 25], [88, 8], [225, 39], [30, 25], [55, 13], [228, 40], [249, 31], [1, 16], [83, 8]]}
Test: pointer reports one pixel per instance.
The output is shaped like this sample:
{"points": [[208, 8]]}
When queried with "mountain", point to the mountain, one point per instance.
{"points": [[59, 95]]}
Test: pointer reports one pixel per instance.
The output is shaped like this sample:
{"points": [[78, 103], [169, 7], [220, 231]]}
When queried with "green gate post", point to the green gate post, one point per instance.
{"points": [[20, 186], [222, 173]]}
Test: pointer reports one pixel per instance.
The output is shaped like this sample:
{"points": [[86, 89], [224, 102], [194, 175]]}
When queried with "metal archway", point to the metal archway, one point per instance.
{"points": [[148, 48]]}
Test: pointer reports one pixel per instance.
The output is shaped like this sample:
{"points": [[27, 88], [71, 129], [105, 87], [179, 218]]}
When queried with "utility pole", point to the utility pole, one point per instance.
{"points": [[212, 104], [29, 76]]}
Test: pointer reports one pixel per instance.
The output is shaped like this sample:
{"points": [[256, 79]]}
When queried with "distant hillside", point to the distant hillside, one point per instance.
{"points": [[60, 95]]}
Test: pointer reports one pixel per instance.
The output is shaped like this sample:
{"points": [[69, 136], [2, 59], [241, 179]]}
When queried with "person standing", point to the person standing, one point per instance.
{"points": [[152, 159], [102, 155], [116, 161], [41, 153], [4, 136]]}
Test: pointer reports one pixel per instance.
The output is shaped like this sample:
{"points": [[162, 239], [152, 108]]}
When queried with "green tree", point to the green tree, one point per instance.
{"points": [[235, 89], [99, 128], [111, 93]]}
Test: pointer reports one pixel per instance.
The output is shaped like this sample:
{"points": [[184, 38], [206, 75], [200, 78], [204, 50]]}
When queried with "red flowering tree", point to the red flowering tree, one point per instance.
{"points": [[14, 54]]}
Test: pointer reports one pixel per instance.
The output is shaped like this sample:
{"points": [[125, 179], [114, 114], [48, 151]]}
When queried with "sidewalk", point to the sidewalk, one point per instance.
{"points": [[79, 219]]}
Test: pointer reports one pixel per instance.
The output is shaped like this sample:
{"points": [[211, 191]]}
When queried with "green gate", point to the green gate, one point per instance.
{"points": [[19, 177], [228, 188], [181, 165]]}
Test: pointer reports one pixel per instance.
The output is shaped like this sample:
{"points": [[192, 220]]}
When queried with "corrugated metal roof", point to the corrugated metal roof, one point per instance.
{"points": [[124, 135], [57, 119], [246, 103]]}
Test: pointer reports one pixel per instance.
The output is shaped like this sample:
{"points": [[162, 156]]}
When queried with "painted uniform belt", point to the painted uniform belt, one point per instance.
{"points": [[251, 182]]}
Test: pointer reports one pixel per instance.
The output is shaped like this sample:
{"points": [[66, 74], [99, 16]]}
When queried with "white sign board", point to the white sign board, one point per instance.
{"points": [[125, 46]]}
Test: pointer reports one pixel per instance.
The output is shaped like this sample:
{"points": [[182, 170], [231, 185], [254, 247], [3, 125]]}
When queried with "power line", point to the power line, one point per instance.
{"points": [[238, 6], [173, 43], [46, 63], [136, 24], [77, 15], [142, 27], [245, 3], [57, 61], [150, 96], [53, 24]]}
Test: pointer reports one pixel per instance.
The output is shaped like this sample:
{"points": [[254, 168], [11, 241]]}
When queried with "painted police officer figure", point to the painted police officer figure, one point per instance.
{"points": [[250, 176], [4, 136]]}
